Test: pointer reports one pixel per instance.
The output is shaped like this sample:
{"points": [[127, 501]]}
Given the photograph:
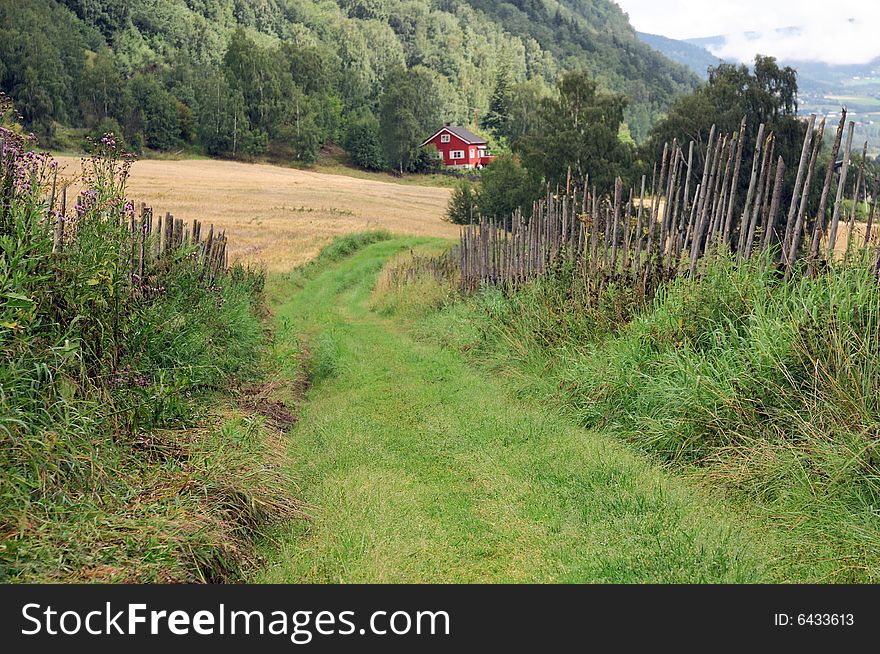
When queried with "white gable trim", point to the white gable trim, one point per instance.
{"points": [[451, 133]]}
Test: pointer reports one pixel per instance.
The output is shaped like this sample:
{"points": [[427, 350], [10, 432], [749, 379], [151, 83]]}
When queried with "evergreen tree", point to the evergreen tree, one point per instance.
{"points": [[579, 131], [496, 120], [462, 204]]}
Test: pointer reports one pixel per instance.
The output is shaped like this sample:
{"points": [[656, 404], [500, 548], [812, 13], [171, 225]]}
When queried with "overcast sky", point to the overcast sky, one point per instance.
{"points": [[834, 31]]}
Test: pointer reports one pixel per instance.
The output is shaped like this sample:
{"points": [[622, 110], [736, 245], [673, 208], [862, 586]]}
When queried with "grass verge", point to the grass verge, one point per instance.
{"points": [[124, 455], [764, 390]]}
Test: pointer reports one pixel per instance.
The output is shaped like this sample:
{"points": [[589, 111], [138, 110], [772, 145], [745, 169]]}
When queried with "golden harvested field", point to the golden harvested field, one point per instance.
{"points": [[280, 216]]}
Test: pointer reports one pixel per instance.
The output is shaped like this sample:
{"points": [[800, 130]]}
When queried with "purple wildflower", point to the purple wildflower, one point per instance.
{"points": [[86, 202]]}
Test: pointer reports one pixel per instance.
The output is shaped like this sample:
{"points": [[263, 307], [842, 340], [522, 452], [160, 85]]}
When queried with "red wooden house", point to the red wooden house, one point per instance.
{"points": [[460, 148]]}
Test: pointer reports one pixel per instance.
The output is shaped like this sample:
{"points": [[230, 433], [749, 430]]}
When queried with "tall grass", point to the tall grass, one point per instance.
{"points": [[770, 387], [98, 378], [767, 388], [415, 282]]}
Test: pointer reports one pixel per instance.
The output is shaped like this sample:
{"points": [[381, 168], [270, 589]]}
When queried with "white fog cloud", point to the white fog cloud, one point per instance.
{"points": [[838, 32]]}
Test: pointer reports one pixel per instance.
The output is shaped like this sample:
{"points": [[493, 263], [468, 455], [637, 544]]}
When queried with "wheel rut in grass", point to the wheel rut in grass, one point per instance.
{"points": [[420, 468]]}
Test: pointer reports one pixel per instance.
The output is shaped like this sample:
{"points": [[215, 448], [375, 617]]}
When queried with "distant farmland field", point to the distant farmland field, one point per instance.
{"points": [[855, 101], [282, 216]]}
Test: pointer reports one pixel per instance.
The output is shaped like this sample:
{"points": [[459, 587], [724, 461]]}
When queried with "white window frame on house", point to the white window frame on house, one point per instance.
{"points": [[444, 138], [456, 154]]}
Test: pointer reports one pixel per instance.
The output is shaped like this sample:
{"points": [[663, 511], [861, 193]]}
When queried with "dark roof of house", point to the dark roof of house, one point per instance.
{"points": [[464, 134]]}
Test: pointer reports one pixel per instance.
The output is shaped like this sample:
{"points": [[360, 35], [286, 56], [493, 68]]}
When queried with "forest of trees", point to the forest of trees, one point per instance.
{"points": [[578, 130], [284, 77], [560, 87]]}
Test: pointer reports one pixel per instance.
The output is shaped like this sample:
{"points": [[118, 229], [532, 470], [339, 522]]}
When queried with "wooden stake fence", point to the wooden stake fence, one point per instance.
{"points": [[687, 217], [153, 239]]}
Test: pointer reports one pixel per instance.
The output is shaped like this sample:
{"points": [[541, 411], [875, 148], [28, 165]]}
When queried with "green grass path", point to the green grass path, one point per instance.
{"points": [[420, 468]]}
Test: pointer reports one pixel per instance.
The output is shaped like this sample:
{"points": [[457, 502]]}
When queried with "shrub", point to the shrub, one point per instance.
{"points": [[363, 143], [506, 186], [462, 204]]}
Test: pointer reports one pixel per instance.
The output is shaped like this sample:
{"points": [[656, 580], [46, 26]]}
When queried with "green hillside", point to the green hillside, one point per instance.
{"points": [[238, 77], [695, 57], [596, 35]]}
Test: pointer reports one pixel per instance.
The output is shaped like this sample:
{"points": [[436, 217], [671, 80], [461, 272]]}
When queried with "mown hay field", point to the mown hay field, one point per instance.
{"points": [[278, 216]]}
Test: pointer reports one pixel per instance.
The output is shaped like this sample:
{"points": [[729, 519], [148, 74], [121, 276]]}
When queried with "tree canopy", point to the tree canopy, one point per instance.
{"points": [[409, 111], [578, 131], [767, 94], [287, 76]]}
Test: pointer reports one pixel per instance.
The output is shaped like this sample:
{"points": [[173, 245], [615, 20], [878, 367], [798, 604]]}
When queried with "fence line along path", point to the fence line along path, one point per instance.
{"points": [[654, 232], [155, 238]]}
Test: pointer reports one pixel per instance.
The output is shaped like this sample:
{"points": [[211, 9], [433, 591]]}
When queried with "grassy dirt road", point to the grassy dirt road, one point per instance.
{"points": [[420, 468]]}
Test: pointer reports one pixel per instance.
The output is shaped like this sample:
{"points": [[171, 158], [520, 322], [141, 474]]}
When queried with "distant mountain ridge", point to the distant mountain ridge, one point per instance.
{"points": [[717, 41], [822, 88], [694, 56], [698, 48]]}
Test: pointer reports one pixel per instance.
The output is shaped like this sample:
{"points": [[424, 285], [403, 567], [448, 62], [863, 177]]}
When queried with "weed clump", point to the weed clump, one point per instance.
{"points": [[415, 282]]}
